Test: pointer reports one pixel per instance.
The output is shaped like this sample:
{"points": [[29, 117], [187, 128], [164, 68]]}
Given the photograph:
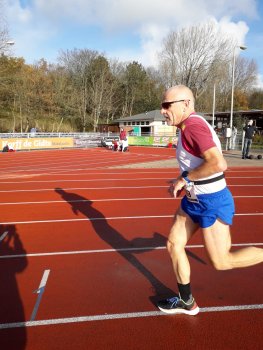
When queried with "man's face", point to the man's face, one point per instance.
{"points": [[173, 108]]}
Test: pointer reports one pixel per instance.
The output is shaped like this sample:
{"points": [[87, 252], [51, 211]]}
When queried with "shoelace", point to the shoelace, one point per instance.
{"points": [[173, 300]]}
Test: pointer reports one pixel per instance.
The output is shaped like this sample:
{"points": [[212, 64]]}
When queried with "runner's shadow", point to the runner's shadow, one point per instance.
{"points": [[11, 306], [159, 240], [112, 237]]}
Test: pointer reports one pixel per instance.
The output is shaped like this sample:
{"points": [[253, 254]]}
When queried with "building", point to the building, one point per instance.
{"points": [[223, 118], [148, 123], [153, 122]]}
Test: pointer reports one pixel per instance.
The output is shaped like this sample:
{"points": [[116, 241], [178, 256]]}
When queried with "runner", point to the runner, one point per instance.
{"points": [[208, 203]]}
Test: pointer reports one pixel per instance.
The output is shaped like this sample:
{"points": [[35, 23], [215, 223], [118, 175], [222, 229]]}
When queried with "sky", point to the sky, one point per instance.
{"points": [[126, 30]]}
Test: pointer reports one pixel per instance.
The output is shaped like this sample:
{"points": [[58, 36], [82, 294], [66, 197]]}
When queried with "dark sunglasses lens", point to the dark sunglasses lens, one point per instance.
{"points": [[166, 105]]}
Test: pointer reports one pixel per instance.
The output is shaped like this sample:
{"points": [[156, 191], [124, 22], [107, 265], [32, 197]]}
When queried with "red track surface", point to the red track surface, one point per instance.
{"points": [[99, 236]]}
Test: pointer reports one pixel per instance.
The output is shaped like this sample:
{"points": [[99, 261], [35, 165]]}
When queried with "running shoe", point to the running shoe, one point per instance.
{"points": [[176, 305]]}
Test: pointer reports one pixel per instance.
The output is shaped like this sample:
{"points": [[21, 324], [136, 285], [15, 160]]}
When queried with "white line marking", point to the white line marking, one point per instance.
{"points": [[134, 249], [107, 219], [40, 292], [125, 171], [43, 282], [121, 178], [111, 188], [98, 200], [86, 219], [3, 236], [88, 188], [122, 316], [165, 173], [107, 200]]}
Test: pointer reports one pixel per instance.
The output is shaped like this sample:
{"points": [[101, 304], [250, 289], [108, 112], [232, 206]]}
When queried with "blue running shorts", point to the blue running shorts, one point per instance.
{"points": [[211, 206]]}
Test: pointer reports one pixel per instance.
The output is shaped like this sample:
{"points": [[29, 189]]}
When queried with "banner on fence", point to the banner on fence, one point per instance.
{"points": [[18, 144], [151, 140], [140, 140]]}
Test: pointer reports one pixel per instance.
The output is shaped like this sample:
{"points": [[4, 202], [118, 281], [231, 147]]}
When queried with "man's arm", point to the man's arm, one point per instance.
{"points": [[214, 162]]}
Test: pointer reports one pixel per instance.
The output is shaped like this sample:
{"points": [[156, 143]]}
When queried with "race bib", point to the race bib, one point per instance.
{"points": [[190, 193]]}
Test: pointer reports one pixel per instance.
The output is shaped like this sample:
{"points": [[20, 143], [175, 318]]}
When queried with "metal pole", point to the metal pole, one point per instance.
{"points": [[214, 100], [232, 93]]}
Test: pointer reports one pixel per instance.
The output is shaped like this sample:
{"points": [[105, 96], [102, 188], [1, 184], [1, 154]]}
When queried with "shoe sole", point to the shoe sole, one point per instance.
{"points": [[192, 312]]}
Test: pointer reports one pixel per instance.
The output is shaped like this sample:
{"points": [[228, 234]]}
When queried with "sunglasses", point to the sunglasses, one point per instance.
{"points": [[167, 105]]}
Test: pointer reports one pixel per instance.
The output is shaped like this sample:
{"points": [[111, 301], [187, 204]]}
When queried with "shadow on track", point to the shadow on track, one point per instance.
{"points": [[114, 238], [11, 306]]}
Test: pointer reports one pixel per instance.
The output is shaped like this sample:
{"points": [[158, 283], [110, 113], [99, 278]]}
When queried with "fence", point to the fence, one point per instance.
{"points": [[30, 141]]}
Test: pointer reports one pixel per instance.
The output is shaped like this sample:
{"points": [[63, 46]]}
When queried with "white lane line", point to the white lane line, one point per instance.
{"points": [[107, 200], [89, 188], [106, 219], [2, 237], [87, 219], [99, 200], [121, 178], [107, 317], [133, 249], [40, 292], [109, 188], [168, 171], [87, 180]]}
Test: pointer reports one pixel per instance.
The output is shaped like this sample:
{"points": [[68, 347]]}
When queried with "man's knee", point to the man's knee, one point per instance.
{"points": [[222, 263], [174, 246]]}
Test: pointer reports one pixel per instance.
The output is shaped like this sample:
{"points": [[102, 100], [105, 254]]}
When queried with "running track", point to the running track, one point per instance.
{"points": [[83, 259]]}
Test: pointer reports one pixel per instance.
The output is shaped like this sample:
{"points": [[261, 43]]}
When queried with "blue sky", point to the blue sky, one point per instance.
{"points": [[125, 29]]}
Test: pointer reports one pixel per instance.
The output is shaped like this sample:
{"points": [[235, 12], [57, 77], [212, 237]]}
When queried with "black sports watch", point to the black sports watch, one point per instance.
{"points": [[184, 176]]}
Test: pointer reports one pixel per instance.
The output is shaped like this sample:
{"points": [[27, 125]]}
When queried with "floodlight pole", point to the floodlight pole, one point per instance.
{"points": [[4, 45], [214, 103], [233, 87]]}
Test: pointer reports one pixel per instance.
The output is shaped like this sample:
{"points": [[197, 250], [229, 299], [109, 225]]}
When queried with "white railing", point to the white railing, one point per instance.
{"points": [[48, 134]]}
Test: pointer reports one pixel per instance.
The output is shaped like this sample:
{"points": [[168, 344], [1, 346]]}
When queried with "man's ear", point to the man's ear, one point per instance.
{"points": [[186, 103]]}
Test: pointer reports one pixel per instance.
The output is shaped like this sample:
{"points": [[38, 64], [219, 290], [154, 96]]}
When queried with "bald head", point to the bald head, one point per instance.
{"points": [[177, 104], [179, 92]]}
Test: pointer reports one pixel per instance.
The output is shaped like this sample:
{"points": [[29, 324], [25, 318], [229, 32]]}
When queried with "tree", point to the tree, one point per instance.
{"points": [[100, 82], [5, 42], [256, 99], [192, 56], [140, 93], [76, 63], [201, 57]]}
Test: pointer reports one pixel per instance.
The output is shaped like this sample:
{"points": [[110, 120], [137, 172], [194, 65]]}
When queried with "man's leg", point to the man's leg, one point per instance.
{"points": [[244, 151], [217, 241], [248, 147], [182, 230]]}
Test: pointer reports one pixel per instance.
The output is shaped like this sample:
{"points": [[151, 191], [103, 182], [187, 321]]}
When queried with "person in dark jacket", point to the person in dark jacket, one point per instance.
{"points": [[249, 134]]}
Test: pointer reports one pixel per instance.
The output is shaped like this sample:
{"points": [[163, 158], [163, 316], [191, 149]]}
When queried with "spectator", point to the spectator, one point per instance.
{"points": [[6, 148], [124, 145], [123, 135], [123, 138], [249, 130]]}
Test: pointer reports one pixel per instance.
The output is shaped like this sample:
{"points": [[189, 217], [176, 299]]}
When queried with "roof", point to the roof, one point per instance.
{"points": [[241, 112], [151, 116], [157, 116]]}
